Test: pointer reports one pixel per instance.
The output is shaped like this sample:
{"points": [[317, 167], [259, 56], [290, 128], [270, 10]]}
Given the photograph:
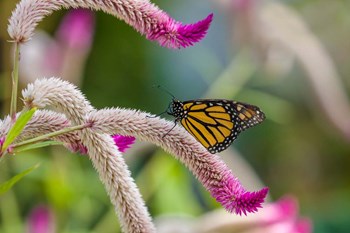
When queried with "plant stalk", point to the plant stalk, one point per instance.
{"points": [[13, 107], [48, 136]]}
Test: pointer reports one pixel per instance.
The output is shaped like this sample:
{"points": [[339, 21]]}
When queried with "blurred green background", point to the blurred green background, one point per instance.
{"points": [[298, 150]]}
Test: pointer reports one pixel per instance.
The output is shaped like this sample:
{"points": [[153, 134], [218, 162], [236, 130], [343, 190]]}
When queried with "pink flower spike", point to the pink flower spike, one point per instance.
{"points": [[41, 220], [2, 140], [243, 5], [303, 225], [174, 34], [123, 142], [235, 199], [142, 15], [287, 206], [77, 28]]}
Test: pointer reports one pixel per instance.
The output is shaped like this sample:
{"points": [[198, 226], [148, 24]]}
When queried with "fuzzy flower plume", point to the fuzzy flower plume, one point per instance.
{"points": [[102, 151], [144, 16], [45, 121], [210, 170]]}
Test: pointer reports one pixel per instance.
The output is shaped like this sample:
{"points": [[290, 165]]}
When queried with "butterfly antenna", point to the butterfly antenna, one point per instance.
{"points": [[165, 90], [166, 111]]}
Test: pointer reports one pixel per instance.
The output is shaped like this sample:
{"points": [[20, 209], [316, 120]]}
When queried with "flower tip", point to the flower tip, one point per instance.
{"points": [[173, 34], [249, 202], [192, 33]]}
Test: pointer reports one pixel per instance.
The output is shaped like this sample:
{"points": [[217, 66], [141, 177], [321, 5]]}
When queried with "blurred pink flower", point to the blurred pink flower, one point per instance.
{"points": [[242, 4], [77, 29], [123, 142], [64, 55], [281, 217], [41, 220]]}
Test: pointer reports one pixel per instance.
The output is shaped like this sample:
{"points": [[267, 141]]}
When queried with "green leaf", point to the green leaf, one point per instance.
{"points": [[17, 128], [35, 146], [4, 187]]}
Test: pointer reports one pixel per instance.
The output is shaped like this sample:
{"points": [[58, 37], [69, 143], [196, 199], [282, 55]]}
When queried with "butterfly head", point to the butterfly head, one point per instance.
{"points": [[176, 109]]}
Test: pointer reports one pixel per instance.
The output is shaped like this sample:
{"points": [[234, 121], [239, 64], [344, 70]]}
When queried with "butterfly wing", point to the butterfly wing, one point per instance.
{"points": [[217, 123]]}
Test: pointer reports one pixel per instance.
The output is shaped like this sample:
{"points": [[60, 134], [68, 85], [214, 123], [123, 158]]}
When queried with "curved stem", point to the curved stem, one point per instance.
{"points": [[49, 135], [13, 107]]}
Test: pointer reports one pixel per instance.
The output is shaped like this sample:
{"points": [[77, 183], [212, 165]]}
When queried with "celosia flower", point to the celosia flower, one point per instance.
{"points": [[102, 151], [40, 220], [44, 122], [209, 169], [144, 16], [235, 198]]}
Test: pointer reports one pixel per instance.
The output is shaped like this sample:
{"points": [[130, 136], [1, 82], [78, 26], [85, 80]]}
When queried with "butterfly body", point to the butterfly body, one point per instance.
{"points": [[215, 123]]}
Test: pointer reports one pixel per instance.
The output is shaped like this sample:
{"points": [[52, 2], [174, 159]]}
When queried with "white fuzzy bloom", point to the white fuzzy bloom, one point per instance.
{"points": [[142, 15], [29, 13], [44, 122], [103, 153], [5, 126]]}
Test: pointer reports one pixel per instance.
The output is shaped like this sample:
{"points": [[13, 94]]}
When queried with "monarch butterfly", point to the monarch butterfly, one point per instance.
{"points": [[215, 123]]}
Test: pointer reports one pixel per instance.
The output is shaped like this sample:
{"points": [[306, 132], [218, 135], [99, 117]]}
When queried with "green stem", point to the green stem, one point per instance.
{"points": [[13, 107], [49, 135]]}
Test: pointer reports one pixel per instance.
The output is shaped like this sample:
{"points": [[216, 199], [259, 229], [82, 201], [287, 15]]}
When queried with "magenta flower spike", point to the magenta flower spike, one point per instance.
{"points": [[2, 140], [144, 16], [173, 34], [40, 220], [123, 142], [235, 199]]}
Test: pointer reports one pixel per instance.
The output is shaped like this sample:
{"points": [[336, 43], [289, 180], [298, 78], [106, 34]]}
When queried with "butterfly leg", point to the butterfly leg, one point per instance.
{"points": [[170, 129]]}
